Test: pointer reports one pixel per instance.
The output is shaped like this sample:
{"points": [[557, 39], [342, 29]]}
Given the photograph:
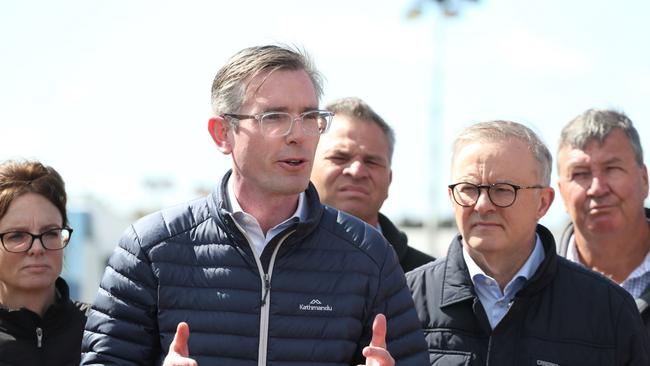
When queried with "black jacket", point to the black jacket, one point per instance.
{"points": [[564, 315], [309, 300], [60, 332], [642, 302], [409, 257]]}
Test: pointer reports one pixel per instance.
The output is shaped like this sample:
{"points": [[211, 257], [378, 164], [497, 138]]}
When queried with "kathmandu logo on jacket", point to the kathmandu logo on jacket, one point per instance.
{"points": [[546, 363], [315, 305]]}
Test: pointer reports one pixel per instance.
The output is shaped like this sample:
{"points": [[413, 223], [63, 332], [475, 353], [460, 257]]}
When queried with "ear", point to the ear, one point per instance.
{"points": [[564, 200], [219, 129], [451, 198], [644, 177], [546, 199]]}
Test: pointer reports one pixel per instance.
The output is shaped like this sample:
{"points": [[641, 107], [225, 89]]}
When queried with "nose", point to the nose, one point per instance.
{"points": [[296, 133], [483, 203], [356, 169], [598, 186], [36, 249]]}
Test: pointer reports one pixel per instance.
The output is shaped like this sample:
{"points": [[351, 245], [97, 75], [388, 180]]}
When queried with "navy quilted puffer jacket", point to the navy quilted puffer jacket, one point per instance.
{"points": [[309, 300]]}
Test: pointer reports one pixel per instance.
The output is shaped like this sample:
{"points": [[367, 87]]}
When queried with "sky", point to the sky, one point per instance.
{"points": [[116, 94]]}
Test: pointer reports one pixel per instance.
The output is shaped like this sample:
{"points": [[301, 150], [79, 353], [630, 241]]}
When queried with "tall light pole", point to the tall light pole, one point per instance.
{"points": [[449, 9]]}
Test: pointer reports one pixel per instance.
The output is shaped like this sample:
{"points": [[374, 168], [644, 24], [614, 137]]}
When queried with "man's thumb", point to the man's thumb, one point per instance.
{"points": [[179, 343], [379, 331]]}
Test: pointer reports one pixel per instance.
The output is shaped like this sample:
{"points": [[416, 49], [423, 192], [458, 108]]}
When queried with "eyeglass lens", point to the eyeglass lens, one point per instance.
{"points": [[279, 123], [20, 241], [500, 194]]}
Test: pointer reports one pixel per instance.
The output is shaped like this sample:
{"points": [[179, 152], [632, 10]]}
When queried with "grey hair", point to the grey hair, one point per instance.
{"points": [[229, 85], [504, 131], [597, 124], [358, 109]]}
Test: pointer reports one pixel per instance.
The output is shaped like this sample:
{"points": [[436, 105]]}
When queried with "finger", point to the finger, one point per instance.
{"points": [[179, 343], [379, 331], [377, 356]]}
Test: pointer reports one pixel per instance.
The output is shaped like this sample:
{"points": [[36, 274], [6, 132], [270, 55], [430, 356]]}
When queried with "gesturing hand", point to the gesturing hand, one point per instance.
{"points": [[376, 353], [179, 354]]}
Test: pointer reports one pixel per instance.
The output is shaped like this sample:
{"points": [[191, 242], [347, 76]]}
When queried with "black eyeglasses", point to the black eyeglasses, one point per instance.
{"points": [[22, 241], [279, 123], [500, 194]]}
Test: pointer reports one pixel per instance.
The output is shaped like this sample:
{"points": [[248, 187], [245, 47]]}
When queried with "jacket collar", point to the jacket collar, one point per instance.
{"points": [[220, 207], [457, 284], [394, 236]]}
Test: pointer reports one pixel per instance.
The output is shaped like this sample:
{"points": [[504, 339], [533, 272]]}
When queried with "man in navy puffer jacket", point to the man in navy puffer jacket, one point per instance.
{"points": [[259, 270]]}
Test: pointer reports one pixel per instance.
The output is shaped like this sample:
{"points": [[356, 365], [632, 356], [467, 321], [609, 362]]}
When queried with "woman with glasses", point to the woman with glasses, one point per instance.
{"points": [[39, 324]]}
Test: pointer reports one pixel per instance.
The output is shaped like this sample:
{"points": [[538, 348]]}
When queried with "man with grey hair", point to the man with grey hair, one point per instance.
{"points": [[352, 171], [604, 182], [502, 296], [261, 271]]}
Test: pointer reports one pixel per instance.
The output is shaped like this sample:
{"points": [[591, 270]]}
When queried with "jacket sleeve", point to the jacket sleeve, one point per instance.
{"points": [[404, 338], [122, 328], [633, 342]]}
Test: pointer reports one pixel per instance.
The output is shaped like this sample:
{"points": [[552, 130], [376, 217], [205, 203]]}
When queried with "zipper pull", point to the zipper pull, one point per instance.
{"points": [[39, 337], [267, 287]]}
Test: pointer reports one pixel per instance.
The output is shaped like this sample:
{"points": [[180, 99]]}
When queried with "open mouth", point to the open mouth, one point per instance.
{"points": [[294, 162]]}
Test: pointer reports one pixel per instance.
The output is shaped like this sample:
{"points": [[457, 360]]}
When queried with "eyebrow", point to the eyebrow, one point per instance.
{"points": [[26, 229], [582, 164], [286, 110], [614, 159]]}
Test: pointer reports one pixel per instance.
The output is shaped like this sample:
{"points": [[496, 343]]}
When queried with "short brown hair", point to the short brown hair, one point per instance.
{"points": [[229, 86], [356, 108], [20, 177]]}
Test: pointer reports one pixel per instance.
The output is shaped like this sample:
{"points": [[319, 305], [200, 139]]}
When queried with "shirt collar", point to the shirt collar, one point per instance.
{"points": [[300, 213], [526, 271], [572, 255]]}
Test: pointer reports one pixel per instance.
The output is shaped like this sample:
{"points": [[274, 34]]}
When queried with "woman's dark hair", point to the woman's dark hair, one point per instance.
{"points": [[20, 177]]}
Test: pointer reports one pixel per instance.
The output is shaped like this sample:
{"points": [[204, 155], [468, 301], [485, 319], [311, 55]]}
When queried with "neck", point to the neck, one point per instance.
{"points": [[501, 266], [615, 256], [36, 301], [373, 221], [269, 210]]}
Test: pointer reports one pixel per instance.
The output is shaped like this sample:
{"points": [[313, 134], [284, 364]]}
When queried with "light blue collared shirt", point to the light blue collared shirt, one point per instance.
{"points": [[495, 302], [636, 281], [252, 227]]}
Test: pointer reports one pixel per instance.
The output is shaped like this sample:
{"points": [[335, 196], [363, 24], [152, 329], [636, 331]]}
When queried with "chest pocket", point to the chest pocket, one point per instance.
{"points": [[438, 357], [545, 353]]}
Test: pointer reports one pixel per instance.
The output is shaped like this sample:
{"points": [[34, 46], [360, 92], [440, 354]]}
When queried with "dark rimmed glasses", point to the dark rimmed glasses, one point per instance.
{"points": [[500, 194], [276, 124], [22, 241]]}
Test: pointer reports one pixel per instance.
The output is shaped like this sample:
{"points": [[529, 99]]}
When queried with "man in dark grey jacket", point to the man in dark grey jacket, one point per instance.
{"points": [[603, 182], [502, 296], [352, 171], [260, 270]]}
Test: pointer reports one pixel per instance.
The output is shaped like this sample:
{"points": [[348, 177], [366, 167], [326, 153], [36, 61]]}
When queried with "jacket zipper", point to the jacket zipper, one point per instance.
{"points": [[266, 287], [489, 349], [39, 337], [266, 293]]}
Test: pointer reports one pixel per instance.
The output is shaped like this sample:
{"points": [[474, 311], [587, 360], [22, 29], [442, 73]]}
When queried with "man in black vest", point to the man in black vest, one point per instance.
{"points": [[603, 182], [352, 171]]}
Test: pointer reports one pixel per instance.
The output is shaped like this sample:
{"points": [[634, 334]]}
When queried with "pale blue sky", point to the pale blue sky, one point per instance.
{"points": [[115, 92]]}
